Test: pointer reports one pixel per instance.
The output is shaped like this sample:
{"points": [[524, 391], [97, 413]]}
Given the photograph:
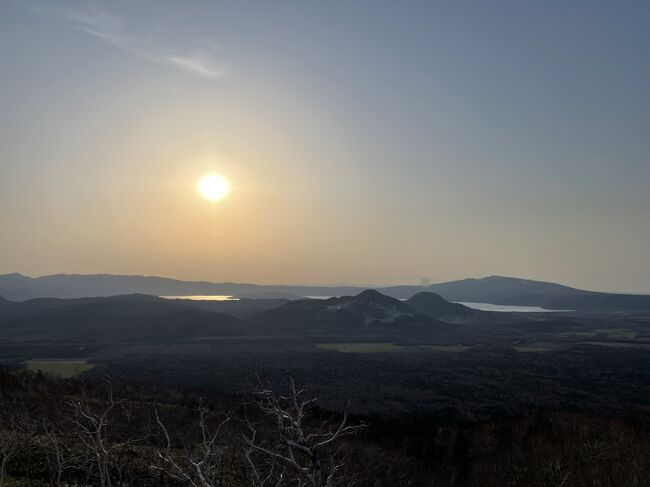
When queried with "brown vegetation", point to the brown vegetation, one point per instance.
{"points": [[70, 432]]}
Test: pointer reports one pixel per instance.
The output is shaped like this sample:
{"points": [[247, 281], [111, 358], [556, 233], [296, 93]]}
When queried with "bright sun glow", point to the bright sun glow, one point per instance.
{"points": [[213, 187]]}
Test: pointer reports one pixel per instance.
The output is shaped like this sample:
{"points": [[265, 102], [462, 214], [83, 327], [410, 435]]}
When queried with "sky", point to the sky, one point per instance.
{"points": [[366, 142]]}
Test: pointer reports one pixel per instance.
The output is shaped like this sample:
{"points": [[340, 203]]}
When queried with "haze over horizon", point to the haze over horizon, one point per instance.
{"points": [[425, 282], [363, 143]]}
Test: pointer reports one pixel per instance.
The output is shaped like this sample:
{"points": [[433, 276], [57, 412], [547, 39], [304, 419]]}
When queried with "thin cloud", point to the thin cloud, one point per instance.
{"points": [[197, 64], [111, 29]]}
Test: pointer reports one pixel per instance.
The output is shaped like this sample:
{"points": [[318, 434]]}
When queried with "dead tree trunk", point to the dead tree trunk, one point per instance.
{"points": [[300, 448]]}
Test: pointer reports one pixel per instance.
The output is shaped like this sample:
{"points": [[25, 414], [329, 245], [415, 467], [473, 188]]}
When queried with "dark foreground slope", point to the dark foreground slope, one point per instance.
{"points": [[43, 420], [107, 432], [457, 386]]}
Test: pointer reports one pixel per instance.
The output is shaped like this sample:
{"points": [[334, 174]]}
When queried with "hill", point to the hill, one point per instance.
{"points": [[368, 314], [366, 308], [241, 308], [433, 305], [116, 319], [372, 306], [505, 290], [525, 292]]}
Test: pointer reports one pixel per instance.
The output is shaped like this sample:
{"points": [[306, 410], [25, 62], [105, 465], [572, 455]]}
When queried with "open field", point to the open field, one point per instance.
{"points": [[363, 347], [447, 348], [59, 367]]}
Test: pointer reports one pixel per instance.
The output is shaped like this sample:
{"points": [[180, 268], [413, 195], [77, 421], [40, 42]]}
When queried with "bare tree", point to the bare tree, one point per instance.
{"points": [[91, 429], [553, 472], [16, 432], [198, 465], [9, 443], [298, 450], [60, 455]]}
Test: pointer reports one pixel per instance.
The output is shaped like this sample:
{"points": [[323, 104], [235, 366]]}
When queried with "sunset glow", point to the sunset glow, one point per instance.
{"points": [[213, 187]]}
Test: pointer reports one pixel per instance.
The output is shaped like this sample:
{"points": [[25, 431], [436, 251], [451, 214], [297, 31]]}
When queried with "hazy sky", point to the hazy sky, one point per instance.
{"points": [[366, 142]]}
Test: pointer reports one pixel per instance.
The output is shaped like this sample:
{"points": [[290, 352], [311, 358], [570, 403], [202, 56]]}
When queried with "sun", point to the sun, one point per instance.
{"points": [[213, 187]]}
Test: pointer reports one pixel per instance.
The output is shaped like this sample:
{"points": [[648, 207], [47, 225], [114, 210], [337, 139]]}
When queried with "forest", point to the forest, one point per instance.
{"points": [[100, 431]]}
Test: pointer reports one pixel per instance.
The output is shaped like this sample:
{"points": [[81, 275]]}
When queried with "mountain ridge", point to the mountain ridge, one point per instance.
{"points": [[492, 289]]}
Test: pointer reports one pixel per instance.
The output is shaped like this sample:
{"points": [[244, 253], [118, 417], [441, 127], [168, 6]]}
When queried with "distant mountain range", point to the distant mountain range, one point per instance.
{"points": [[494, 289]]}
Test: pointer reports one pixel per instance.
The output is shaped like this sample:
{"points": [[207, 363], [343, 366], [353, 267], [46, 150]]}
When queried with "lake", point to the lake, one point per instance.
{"points": [[209, 297], [509, 309]]}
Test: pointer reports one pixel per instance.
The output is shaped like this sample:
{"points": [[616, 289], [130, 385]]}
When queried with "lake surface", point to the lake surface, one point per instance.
{"points": [[509, 309], [198, 297], [488, 307]]}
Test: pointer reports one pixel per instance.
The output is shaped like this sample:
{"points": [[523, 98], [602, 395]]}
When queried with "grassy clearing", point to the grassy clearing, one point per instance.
{"points": [[360, 347], [59, 368], [389, 347], [447, 348]]}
